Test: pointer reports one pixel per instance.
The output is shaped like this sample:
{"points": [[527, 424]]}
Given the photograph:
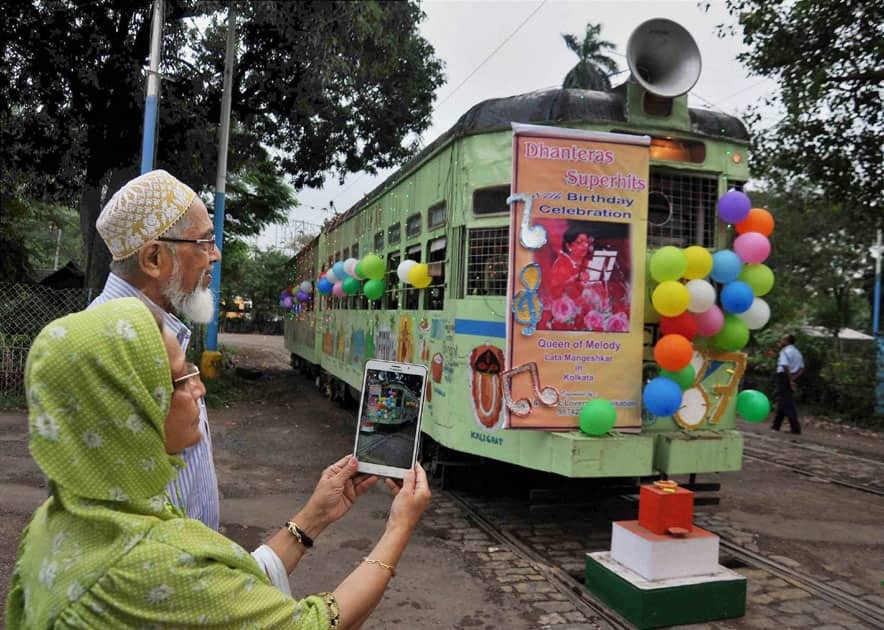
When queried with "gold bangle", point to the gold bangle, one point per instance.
{"points": [[389, 567], [299, 534]]}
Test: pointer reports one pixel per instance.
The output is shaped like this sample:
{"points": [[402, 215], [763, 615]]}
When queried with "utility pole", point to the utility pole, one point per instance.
{"points": [[221, 179], [151, 103], [877, 252]]}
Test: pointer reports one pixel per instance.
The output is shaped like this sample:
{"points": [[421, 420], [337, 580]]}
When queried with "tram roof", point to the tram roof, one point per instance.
{"points": [[556, 105]]}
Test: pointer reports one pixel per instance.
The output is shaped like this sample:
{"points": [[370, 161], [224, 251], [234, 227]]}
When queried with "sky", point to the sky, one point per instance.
{"points": [[499, 48]]}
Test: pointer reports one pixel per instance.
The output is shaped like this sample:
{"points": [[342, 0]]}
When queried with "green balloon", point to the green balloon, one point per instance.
{"points": [[373, 289], [668, 263], [684, 377], [597, 417], [733, 336], [358, 269], [373, 267], [350, 286], [759, 277], [752, 405]]}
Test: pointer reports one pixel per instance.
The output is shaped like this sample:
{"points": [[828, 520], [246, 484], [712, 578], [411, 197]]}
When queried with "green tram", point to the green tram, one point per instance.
{"points": [[447, 207]]}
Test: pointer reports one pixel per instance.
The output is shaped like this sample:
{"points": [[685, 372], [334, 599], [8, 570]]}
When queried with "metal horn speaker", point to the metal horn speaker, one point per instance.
{"points": [[663, 57]]}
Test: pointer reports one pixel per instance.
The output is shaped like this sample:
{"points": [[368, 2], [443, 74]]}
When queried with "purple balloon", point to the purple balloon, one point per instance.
{"points": [[301, 296], [734, 206], [287, 301]]}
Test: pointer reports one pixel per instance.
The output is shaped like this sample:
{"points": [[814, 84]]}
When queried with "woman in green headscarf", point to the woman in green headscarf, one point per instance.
{"points": [[109, 406]]}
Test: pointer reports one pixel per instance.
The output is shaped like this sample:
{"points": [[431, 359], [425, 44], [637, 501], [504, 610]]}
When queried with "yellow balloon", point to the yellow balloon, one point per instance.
{"points": [[418, 273], [671, 298], [699, 262], [423, 282]]}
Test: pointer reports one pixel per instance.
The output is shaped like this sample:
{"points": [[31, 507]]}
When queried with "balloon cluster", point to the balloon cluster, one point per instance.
{"points": [[690, 310], [346, 277], [414, 273], [291, 295]]}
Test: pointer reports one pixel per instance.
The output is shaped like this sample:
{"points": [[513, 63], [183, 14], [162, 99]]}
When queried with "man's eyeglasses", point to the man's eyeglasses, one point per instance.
{"points": [[192, 371], [209, 243]]}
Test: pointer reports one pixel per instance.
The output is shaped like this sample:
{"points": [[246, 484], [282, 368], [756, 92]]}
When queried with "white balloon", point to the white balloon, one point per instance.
{"points": [[403, 269], [306, 286], [757, 315], [330, 276], [702, 296]]}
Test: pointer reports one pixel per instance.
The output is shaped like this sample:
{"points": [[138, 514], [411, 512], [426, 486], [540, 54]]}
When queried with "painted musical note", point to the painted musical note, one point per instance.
{"points": [[530, 236], [527, 307], [547, 396]]}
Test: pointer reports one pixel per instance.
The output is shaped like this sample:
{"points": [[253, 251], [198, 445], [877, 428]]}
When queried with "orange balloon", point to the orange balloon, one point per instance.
{"points": [[673, 352], [758, 220]]}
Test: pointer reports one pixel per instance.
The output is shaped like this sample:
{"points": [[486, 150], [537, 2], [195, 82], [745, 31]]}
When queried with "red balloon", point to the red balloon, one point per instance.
{"points": [[684, 325], [673, 352]]}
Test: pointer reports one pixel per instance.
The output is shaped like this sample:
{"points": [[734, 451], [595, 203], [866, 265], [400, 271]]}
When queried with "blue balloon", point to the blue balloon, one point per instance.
{"points": [[324, 286], [737, 297], [338, 268], [726, 266], [662, 396]]}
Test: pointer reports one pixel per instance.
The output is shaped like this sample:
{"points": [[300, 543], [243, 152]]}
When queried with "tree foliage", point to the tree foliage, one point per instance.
{"points": [[594, 66]]}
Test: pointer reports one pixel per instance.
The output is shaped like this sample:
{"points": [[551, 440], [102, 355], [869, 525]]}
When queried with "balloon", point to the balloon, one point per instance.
{"points": [[285, 293], [373, 267], [758, 220], [287, 301], [331, 277], [351, 286], [670, 298], [733, 206], [423, 283], [752, 247], [733, 336], [662, 396], [668, 263], [684, 377], [373, 289], [306, 286], [684, 325], [281, 303], [403, 269], [699, 262], [302, 296], [759, 277], [339, 271], [357, 271], [418, 273], [673, 352], [752, 405], [710, 321], [702, 296], [757, 315], [597, 417], [350, 267], [736, 297], [726, 266], [338, 289], [324, 286]]}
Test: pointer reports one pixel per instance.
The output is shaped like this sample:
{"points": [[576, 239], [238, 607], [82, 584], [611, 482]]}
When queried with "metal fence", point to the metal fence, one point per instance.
{"points": [[24, 310]]}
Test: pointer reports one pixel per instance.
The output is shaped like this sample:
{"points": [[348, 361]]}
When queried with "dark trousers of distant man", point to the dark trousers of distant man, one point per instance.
{"points": [[785, 404]]}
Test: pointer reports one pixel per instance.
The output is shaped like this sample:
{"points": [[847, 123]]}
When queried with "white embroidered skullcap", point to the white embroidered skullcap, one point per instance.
{"points": [[145, 208]]}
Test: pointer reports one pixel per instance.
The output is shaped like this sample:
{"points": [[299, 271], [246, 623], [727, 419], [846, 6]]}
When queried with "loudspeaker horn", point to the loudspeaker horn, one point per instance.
{"points": [[663, 57]]}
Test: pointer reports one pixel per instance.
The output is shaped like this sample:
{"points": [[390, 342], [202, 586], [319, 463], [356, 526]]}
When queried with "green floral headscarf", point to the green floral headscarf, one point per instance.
{"points": [[107, 549]]}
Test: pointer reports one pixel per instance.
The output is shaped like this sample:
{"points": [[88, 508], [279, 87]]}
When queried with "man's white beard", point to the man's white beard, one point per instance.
{"points": [[198, 306]]}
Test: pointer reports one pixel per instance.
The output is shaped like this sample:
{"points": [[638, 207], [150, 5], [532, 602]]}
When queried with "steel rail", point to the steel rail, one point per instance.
{"points": [[750, 453]]}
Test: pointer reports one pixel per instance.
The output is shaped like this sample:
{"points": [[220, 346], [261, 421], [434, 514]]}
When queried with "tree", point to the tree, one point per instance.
{"points": [[594, 67], [325, 86]]}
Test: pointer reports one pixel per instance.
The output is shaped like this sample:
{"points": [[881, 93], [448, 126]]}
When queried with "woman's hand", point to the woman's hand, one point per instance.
{"points": [[410, 500], [337, 491]]}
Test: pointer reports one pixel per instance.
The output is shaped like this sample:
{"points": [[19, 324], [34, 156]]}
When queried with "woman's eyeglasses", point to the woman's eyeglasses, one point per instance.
{"points": [[192, 371], [208, 244]]}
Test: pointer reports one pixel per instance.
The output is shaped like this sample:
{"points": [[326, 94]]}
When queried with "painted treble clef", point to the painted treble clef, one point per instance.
{"points": [[527, 307], [530, 236]]}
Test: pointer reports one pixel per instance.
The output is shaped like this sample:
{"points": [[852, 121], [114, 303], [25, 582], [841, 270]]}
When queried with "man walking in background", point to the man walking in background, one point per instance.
{"points": [[790, 365], [163, 246]]}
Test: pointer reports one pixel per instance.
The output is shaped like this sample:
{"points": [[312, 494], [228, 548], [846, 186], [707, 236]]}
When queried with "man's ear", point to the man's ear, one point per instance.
{"points": [[152, 258]]}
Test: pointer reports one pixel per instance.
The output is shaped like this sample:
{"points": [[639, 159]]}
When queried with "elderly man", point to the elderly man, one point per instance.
{"points": [[163, 247]]}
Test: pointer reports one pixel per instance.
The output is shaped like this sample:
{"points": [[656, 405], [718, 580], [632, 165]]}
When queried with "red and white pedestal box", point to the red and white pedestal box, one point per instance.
{"points": [[659, 508], [661, 557]]}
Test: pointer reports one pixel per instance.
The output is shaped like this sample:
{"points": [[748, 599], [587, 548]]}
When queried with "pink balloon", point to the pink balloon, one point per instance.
{"points": [[338, 289], [752, 247], [709, 322]]}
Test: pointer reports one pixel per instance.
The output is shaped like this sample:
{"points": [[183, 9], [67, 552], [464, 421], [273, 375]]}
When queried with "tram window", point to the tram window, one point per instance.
{"points": [[677, 150], [379, 241], [413, 225], [436, 215], [491, 200], [354, 251], [391, 292], [410, 295], [681, 210], [436, 259], [345, 254], [394, 234], [487, 262]]}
